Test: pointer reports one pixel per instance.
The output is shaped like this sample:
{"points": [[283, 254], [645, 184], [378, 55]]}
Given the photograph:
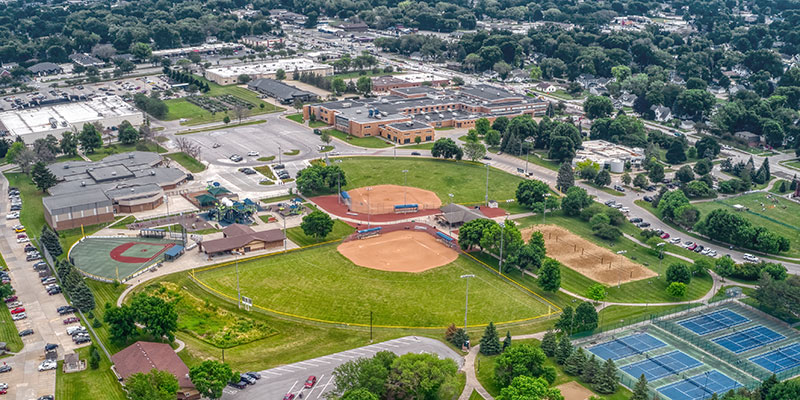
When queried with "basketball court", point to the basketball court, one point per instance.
{"points": [[118, 258], [399, 251]]}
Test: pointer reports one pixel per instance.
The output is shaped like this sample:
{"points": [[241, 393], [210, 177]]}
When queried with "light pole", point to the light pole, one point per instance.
{"points": [[487, 185], [369, 210], [527, 151], [280, 155], [660, 254], [405, 175], [502, 229], [238, 291], [466, 304], [544, 208]]}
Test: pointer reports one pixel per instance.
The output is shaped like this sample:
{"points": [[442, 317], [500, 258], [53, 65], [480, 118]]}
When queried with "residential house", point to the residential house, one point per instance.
{"points": [[45, 68], [627, 99], [142, 357], [546, 87], [663, 114], [86, 60]]}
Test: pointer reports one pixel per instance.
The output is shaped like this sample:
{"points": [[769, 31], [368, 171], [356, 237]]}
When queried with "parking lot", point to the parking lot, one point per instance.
{"points": [[290, 378]]}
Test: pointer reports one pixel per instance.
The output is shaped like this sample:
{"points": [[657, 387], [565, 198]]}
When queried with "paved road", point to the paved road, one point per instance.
{"points": [[277, 382]]}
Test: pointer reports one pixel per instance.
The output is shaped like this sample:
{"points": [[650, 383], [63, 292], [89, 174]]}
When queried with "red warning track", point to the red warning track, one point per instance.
{"points": [[117, 252]]}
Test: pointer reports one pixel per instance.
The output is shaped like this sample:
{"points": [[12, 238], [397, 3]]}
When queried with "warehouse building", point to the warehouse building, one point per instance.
{"points": [[230, 74], [280, 91], [92, 192], [36, 123], [608, 155], [383, 84]]}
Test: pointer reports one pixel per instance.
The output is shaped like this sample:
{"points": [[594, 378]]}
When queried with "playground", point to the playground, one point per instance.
{"points": [[118, 258], [399, 251], [590, 260], [382, 199]]}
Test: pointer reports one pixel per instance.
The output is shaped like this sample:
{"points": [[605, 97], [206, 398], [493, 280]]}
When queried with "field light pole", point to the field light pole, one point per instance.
{"points": [[502, 229], [466, 304], [405, 175], [544, 208], [369, 210], [238, 291], [280, 153], [487, 185]]}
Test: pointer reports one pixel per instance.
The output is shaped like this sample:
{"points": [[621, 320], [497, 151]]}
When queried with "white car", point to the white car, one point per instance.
{"points": [[252, 154], [12, 215], [750, 258], [23, 240], [3, 385], [20, 316], [675, 240], [47, 365]]}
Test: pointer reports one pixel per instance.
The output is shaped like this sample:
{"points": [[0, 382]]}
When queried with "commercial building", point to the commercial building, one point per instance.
{"points": [[280, 91], [426, 108], [607, 154], [229, 75], [45, 68], [86, 60], [203, 49], [261, 41], [142, 357], [383, 84], [92, 192], [242, 239], [36, 123]]}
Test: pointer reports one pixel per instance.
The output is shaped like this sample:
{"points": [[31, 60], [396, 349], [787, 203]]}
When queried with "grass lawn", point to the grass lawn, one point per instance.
{"points": [[651, 290], [464, 179], [792, 163], [296, 118], [265, 159], [278, 199], [116, 148], [266, 171], [780, 216], [9, 332], [223, 126], [181, 108], [421, 146], [605, 189], [186, 161], [292, 152], [321, 283], [32, 215], [369, 141], [536, 158], [444, 128], [777, 185], [340, 231], [121, 223], [100, 383], [316, 124]]}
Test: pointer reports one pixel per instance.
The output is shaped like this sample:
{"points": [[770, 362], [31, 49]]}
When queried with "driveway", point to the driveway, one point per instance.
{"points": [[277, 382]]}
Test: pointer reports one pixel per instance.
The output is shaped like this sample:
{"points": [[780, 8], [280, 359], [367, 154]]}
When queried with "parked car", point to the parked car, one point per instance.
{"points": [[619, 188], [278, 166], [33, 257], [5, 368], [71, 320], [12, 215], [289, 396], [54, 290], [647, 199], [665, 235], [750, 258], [29, 248], [698, 248], [247, 379], [236, 158], [643, 224], [26, 332], [11, 299], [50, 346], [18, 317], [635, 220], [14, 304], [415, 153], [238, 385], [18, 310], [692, 247], [46, 397], [310, 382], [63, 310], [254, 375], [252, 154], [82, 340], [23, 240]]}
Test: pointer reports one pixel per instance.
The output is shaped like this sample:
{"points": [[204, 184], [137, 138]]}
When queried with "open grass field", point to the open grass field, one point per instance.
{"points": [[116, 148], [421, 146], [298, 237], [369, 141], [778, 215], [186, 161], [464, 179], [32, 215], [9, 332], [100, 383], [321, 283], [180, 108]]}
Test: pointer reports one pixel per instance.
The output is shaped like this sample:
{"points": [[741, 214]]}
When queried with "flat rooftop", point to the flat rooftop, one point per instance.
{"points": [[289, 65], [35, 120]]}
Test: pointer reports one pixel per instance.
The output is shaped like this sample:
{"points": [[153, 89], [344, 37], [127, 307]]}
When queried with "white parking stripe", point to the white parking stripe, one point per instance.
{"points": [[325, 388], [292, 388], [270, 372], [294, 366], [308, 363]]}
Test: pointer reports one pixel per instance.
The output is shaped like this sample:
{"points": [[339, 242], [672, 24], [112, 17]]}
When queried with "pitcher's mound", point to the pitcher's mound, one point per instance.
{"points": [[399, 251], [381, 199]]}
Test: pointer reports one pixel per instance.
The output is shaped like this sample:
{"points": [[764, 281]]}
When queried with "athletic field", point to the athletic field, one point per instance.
{"points": [[322, 284], [116, 258]]}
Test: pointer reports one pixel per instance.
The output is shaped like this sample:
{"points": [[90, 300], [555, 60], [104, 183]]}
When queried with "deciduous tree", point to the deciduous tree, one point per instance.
{"points": [[210, 377], [317, 224]]}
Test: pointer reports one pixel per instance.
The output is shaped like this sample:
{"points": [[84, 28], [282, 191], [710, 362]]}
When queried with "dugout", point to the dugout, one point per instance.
{"points": [[174, 252]]}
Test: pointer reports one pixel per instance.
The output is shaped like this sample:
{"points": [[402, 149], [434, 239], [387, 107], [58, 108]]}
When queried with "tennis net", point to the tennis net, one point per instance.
{"points": [[665, 366]]}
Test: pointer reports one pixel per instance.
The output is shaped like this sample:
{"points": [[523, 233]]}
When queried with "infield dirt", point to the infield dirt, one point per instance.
{"points": [[381, 199], [399, 251], [590, 260]]}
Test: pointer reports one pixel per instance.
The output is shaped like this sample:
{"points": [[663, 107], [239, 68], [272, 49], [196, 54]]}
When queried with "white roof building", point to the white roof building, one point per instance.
{"points": [[35, 123], [604, 153], [228, 75]]}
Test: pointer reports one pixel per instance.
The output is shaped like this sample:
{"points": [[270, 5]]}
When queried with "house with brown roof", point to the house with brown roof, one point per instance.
{"points": [[146, 356], [242, 239]]}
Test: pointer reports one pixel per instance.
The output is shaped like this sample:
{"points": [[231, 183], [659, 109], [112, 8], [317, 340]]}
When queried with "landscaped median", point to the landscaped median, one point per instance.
{"points": [[186, 161], [369, 141]]}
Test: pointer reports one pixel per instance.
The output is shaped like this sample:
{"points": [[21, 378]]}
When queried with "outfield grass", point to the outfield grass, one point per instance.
{"points": [[116, 148], [369, 141], [783, 218], [465, 180], [186, 161], [100, 383], [9, 332], [340, 231], [180, 108], [321, 283]]}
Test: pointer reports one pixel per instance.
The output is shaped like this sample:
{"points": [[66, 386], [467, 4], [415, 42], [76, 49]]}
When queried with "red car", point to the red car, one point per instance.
{"points": [[311, 381], [10, 299], [692, 247], [289, 396], [3, 391], [71, 320], [665, 235], [18, 310]]}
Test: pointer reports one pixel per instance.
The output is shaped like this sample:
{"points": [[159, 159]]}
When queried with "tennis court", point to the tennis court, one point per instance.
{"points": [[779, 360], [626, 346], [747, 339], [712, 322], [658, 367], [699, 387], [117, 258]]}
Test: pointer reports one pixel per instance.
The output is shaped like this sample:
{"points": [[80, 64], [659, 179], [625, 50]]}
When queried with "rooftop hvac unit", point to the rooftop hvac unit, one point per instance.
{"points": [[409, 123], [130, 155], [359, 111], [153, 172], [133, 190], [113, 173], [83, 183]]}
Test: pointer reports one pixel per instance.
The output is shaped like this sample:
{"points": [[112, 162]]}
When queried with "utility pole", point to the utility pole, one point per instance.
{"points": [[405, 175], [502, 233], [487, 185], [466, 304], [280, 154], [238, 290], [369, 210]]}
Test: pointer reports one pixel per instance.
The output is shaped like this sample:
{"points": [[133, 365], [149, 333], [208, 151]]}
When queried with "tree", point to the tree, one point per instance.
{"points": [[676, 153], [725, 266], [596, 292], [50, 241], [364, 85], [656, 173], [320, 178], [586, 317], [210, 377], [685, 174], [640, 180], [490, 342], [707, 147], [358, 394], [419, 376], [364, 373], [549, 343], [603, 178], [243, 79], [702, 167], [500, 124], [676, 289], [90, 138], [14, 150], [536, 72], [127, 133], [471, 233], [157, 315], [640, 391], [42, 177], [575, 201], [474, 150], [337, 85], [566, 177], [550, 275], [564, 350], [575, 362], [280, 74], [502, 68], [492, 138], [121, 323], [446, 148], [678, 272], [94, 357], [626, 179], [520, 359], [507, 341], [591, 370], [529, 388], [482, 126], [530, 192], [670, 203], [606, 382], [325, 137], [317, 224], [597, 107], [621, 72], [141, 51], [154, 385]]}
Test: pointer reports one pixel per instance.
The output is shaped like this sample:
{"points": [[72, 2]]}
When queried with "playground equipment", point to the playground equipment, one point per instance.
{"points": [[406, 208], [293, 207], [228, 211]]}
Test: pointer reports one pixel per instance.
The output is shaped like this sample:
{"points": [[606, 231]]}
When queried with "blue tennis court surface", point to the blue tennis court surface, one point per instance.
{"points": [[701, 386], [712, 322], [661, 366], [779, 360], [747, 339], [626, 346]]}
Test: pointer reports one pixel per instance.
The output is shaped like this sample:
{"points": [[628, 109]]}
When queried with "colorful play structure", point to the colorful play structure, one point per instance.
{"points": [[293, 207], [228, 212]]}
